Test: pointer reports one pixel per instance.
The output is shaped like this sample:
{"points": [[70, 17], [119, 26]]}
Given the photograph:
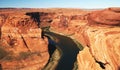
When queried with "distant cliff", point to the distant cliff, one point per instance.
{"points": [[98, 32], [22, 45]]}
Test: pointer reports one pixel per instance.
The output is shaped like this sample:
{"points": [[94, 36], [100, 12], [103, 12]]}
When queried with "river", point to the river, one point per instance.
{"points": [[69, 51]]}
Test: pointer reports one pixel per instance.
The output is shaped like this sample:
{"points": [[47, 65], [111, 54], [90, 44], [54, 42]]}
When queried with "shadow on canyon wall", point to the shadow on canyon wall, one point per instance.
{"points": [[35, 16]]}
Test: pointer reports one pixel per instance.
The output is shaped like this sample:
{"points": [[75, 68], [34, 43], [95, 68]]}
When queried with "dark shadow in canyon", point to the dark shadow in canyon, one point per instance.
{"points": [[69, 51], [40, 18], [102, 65], [51, 46], [0, 67], [35, 16], [119, 68]]}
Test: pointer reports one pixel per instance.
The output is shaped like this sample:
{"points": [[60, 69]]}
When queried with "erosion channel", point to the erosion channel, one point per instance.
{"points": [[67, 48]]}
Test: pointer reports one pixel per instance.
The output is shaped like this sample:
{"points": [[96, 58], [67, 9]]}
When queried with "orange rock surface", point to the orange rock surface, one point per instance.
{"points": [[104, 45], [89, 62], [23, 44], [97, 30], [108, 16]]}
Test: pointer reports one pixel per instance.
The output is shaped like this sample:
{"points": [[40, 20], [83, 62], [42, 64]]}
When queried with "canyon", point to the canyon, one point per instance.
{"points": [[24, 46]]}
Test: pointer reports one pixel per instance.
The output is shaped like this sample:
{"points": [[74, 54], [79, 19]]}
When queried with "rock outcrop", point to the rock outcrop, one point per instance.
{"points": [[102, 37], [103, 44], [89, 62], [108, 16], [99, 34], [22, 46]]}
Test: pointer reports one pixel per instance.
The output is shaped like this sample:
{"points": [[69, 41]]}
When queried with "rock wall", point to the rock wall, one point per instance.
{"points": [[102, 37], [99, 34], [24, 48], [22, 41], [103, 44], [108, 16]]}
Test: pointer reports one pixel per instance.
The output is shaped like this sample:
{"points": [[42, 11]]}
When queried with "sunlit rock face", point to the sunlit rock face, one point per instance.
{"points": [[110, 16], [23, 44], [99, 34], [104, 45], [102, 36], [97, 31], [89, 62]]}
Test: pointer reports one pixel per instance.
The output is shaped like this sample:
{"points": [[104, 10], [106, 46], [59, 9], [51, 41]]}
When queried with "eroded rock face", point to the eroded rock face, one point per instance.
{"points": [[24, 46], [99, 34], [102, 41], [104, 47], [97, 31], [89, 63], [108, 16]]}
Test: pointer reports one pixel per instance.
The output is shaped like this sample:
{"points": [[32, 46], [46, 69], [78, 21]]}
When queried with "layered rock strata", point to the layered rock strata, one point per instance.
{"points": [[23, 44], [99, 34]]}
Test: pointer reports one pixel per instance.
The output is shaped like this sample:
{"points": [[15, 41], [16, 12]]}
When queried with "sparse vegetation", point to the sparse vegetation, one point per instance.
{"points": [[3, 53], [24, 55], [9, 58]]}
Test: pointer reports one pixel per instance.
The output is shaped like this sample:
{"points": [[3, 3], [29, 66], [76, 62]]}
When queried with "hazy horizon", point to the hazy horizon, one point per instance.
{"points": [[85, 4]]}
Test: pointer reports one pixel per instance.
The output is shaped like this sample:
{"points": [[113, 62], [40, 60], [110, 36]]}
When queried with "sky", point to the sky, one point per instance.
{"points": [[59, 3]]}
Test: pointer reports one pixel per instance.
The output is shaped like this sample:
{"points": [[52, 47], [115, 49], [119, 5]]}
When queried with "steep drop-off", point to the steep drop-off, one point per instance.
{"points": [[22, 46], [99, 33]]}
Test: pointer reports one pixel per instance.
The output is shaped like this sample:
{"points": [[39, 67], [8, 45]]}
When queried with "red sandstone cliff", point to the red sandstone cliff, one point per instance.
{"points": [[99, 33], [22, 47], [103, 40]]}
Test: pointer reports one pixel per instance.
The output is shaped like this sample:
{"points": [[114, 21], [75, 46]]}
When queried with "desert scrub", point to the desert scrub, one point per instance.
{"points": [[8, 58], [3, 53], [24, 55], [21, 56]]}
